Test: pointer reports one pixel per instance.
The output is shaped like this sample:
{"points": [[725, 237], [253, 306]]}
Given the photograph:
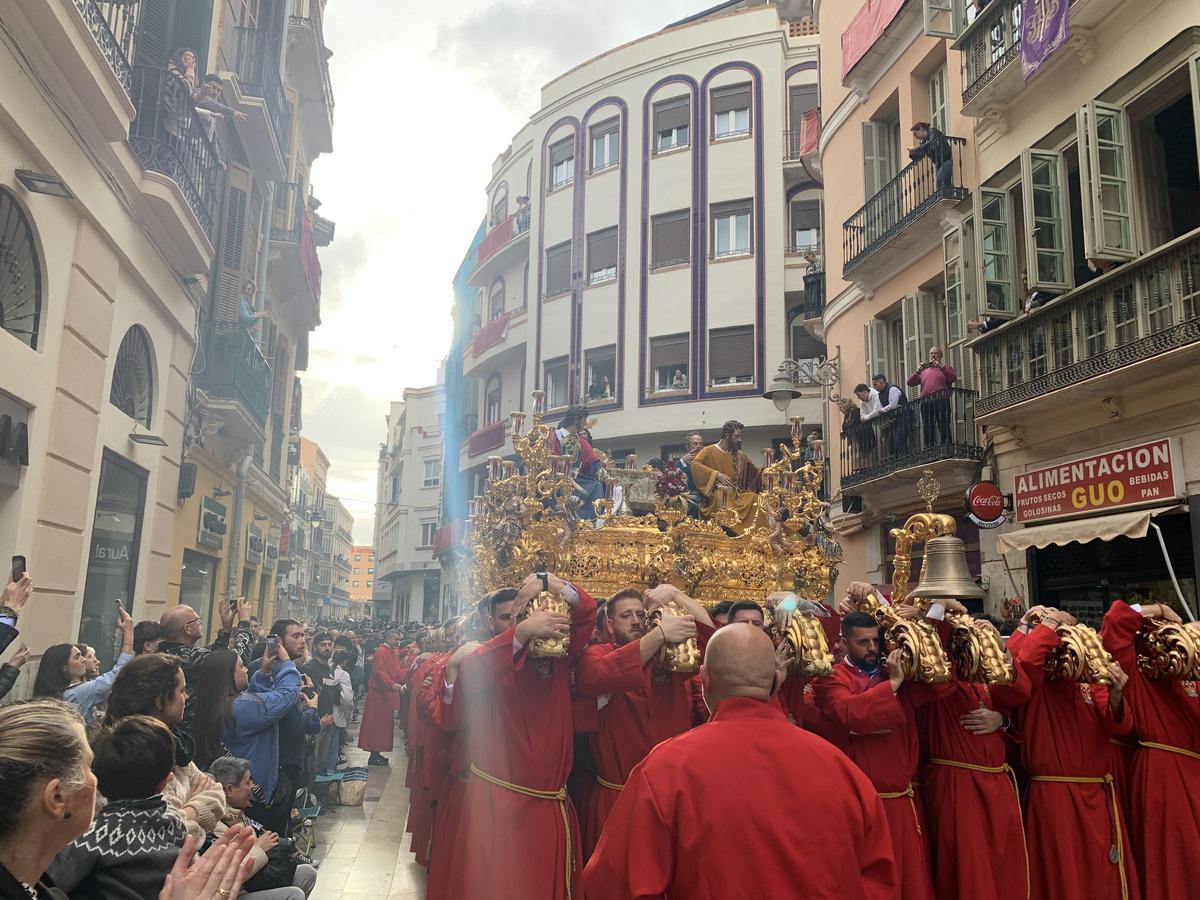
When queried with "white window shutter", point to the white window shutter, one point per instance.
{"points": [[928, 332], [912, 337], [875, 335]]}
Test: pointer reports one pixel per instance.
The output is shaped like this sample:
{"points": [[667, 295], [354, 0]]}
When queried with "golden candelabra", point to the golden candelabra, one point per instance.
{"points": [[526, 519]]}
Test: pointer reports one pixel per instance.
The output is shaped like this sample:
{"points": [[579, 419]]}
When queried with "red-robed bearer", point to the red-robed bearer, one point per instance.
{"points": [[518, 837], [797, 820], [378, 728], [1164, 819]]}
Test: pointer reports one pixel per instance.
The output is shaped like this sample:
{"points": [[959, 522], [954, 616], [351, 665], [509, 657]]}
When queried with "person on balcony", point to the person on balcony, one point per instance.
{"points": [[522, 220], [587, 467], [935, 380], [893, 405], [204, 93], [868, 409], [935, 146]]}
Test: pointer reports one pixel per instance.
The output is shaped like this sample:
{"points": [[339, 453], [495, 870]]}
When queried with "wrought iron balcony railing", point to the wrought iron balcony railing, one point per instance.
{"points": [[235, 369], [932, 428], [1131, 314], [814, 295], [924, 182], [292, 224], [113, 24], [170, 137], [990, 44], [258, 76]]}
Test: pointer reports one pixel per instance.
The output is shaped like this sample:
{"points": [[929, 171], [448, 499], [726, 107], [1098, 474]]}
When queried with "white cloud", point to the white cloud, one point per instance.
{"points": [[416, 127]]}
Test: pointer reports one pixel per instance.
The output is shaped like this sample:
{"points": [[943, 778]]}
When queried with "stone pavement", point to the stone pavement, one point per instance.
{"points": [[364, 850]]}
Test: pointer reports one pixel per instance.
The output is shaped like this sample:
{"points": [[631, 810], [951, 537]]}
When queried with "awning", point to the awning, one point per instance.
{"points": [[1105, 528]]}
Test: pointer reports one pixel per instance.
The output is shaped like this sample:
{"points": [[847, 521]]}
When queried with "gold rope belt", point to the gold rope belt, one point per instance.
{"points": [[1012, 777], [1192, 754], [559, 796], [1116, 850], [910, 793], [611, 785]]}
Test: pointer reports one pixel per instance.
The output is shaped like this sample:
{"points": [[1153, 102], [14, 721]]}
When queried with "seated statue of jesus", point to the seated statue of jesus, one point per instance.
{"points": [[724, 465]]}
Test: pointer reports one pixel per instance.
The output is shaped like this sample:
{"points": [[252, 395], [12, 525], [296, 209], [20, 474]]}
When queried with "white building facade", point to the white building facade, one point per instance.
{"points": [[407, 575], [646, 244]]}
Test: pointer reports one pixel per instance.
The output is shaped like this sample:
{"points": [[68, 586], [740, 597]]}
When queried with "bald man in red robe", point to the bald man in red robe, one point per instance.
{"points": [[794, 817], [878, 712], [639, 705], [1074, 822], [1164, 820], [972, 806], [518, 837]]}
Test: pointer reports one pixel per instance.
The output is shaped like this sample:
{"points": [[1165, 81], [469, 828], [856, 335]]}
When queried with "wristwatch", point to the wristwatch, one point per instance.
{"points": [[545, 581]]}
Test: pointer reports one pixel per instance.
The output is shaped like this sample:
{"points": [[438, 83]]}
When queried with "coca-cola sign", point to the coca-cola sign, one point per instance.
{"points": [[985, 504]]}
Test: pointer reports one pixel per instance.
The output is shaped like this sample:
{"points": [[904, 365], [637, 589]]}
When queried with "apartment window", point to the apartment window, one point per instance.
{"points": [[394, 491], [491, 400], [370, 583], [937, 99], [670, 235], [731, 355], [878, 345], [428, 530], [602, 255], [620, 458], [556, 382], [605, 152], [500, 205], [496, 300], [671, 128], [558, 269], [602, 373], [357, 558], [669, 362], [995, 252], [806, 225], [731, 228], [562, 162], [919, 320], [1104, 181], [802, 98], [431, 475], [1044, 195], [370, 571], [731, 111]]}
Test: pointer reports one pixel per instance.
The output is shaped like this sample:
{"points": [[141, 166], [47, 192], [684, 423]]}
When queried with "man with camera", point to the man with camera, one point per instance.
{"points": [[935, 380]]}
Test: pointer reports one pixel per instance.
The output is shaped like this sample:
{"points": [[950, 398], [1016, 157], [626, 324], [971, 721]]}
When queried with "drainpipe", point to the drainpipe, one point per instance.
{"points": [[264, 244], [234, 559]]}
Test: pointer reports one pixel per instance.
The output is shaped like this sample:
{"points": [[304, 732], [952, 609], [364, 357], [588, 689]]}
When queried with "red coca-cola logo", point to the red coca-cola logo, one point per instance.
{"points": [[985, 501]]}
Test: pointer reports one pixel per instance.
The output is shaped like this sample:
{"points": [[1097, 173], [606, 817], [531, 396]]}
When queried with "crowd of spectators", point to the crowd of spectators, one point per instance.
{"points": [[184, 771]]}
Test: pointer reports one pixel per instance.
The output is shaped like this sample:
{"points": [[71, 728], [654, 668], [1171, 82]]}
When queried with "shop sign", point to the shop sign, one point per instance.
{"points": [[1144, 474], [985, 504]]}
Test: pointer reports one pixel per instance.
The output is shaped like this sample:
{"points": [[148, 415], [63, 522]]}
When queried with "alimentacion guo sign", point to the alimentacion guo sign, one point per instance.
{"points": [[1132, 476]]}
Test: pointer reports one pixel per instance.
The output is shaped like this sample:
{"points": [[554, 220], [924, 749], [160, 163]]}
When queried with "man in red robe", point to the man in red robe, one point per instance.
{"points": [[518, 837], [794, 819], [378, 727], [1074, 822], [640, 705], [1164, 819], [878, 712], [976, 838]]}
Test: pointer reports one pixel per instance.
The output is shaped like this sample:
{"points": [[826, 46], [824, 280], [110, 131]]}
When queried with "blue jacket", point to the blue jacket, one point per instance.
{"points": [[256, 713]]}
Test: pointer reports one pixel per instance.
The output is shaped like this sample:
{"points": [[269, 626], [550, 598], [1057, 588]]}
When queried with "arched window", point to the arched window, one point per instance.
{"points": [[496, 299], [500, 204], [491, 400], [133, 377], [20, 274]]}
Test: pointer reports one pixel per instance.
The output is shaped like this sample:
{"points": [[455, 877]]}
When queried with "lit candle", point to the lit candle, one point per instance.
{"points": [[509, 467], [797, 421], [518, 419], [493, 468], [631, 461], [768, 456], [539, 402]]}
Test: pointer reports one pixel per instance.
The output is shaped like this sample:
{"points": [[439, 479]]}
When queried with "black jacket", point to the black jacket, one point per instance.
{"points": [[11, 889]]}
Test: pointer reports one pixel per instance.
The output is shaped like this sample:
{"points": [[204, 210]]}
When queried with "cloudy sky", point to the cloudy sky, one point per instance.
{"points": [[428, 94]]}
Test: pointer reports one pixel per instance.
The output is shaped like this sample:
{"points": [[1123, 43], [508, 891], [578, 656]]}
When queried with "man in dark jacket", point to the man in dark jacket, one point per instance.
{"points": [[933, 144]]}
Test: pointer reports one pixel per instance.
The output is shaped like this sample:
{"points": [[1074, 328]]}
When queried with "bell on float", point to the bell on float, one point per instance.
{"points": [[944, 574]]}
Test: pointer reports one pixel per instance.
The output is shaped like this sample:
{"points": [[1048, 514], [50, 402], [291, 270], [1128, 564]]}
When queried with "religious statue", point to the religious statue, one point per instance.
{"points": [[726, 478]]}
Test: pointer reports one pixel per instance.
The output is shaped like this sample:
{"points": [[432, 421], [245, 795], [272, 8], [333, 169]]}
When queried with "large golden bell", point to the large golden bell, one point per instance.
{"points": [[944, 573]]}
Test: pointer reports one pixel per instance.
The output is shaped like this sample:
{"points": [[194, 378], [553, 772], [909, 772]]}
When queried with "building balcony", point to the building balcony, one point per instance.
{"points": [[497, 344], [991, 52], [183, 179], [881, 459], [800, 149], [295, 270], [257, 91], [902, 221], [91, 43], [236, 377], [488, 438], [1137, 323], [504, 244], [309, 72]]}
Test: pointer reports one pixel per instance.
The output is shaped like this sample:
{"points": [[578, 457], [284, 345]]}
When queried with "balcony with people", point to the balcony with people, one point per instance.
{"points": [[308, 70], [505, 241], [901, 218]]}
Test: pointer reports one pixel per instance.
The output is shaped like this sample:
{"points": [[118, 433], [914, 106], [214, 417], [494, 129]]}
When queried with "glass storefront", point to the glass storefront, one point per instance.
{"points": [[113, 555], [197, 586]]}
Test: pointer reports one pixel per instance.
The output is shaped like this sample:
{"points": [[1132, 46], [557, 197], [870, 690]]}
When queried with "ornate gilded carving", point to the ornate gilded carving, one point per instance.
{"points": [[1078, 656], [547, 648], [682, 657], [1169, 649]]}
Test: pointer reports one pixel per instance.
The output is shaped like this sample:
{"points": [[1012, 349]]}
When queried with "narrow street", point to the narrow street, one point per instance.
{"points": [[364, 850]]}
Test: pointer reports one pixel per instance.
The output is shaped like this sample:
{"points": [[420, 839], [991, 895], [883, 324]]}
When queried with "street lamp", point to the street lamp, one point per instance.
{"points": [[792, 374]]}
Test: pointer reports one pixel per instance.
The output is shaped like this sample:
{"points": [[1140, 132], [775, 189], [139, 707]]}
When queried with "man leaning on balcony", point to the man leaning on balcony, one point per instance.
{"points": [[935, 380], [933, 144]]}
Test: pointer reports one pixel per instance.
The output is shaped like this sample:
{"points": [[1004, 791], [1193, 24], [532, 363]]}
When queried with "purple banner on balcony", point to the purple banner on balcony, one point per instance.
{"points": [[1045, 26]]}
